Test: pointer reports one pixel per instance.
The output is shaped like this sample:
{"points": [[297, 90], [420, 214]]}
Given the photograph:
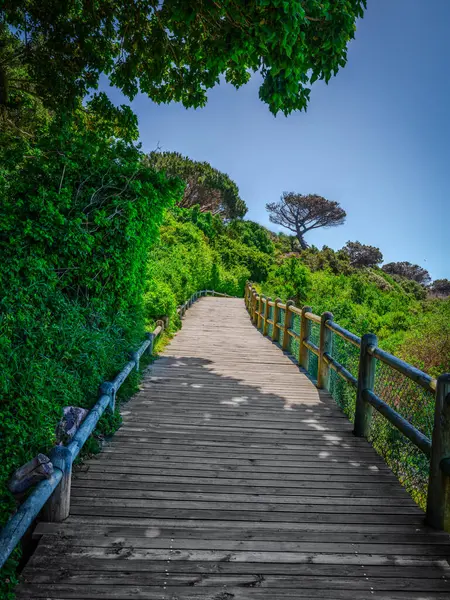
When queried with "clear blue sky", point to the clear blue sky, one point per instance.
{"points": [[376, 139]]}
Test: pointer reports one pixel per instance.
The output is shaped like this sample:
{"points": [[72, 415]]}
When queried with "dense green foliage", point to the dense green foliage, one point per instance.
{"points": [[440, 288], [199, 251], [362, 299], [205, 187], [79, 213], [362, 255], [175, 50], [408, 271]]}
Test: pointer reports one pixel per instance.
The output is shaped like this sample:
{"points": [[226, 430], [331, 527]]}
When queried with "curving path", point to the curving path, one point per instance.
{"points": [[234, 478]]}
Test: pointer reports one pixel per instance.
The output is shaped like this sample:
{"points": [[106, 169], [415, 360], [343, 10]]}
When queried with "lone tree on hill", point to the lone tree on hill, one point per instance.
{"points": [[300, 214], [206, 187], [361, 255], [408, 271]]}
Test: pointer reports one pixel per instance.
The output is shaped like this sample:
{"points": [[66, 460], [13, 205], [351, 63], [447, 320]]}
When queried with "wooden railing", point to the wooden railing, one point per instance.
{"points": [[436, 449], [52, 495]]}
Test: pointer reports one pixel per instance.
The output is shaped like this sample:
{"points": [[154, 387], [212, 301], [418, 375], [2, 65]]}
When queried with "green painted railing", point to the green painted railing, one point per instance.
{"points": [[363, 377]]}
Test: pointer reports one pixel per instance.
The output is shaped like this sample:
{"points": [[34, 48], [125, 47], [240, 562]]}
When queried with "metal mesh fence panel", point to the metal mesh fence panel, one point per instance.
{"points": [[294, 345], [270, 326], [314, 337], [281, 321], [416, 405], [344, 393], [259, 319]]}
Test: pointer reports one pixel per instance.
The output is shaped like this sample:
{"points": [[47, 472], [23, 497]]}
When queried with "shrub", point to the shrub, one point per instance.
{"points": [[78, 216]]}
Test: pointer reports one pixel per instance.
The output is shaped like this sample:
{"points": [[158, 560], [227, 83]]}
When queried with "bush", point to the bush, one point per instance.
{"points": [[194, 253], [78, 216]]}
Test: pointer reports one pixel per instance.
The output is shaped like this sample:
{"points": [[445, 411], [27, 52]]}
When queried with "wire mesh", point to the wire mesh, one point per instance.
{"points": [[416, 405], [343, 392], [270, 317], [294, 345], [259, 317], [314, 337], [282, 315]]}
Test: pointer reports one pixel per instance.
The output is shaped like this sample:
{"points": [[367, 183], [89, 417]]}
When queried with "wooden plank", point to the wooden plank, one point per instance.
{"points": [[357, 559], [117, 592], [243, 464], [118, 565], [204, 469], [140, 545], [252, 515], [245, 580], [255, 498], [207, 532], [310, 505], [321, 489], [254, 526]]}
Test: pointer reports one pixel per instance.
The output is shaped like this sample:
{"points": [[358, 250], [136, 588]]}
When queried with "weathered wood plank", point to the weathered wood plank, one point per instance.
{"points": [[120, 565], [116, 592], [241, 534], [244, 580]]}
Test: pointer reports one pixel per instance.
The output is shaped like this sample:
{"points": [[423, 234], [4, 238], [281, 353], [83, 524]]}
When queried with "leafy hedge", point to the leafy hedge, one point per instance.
{"points": [[79, 214]]}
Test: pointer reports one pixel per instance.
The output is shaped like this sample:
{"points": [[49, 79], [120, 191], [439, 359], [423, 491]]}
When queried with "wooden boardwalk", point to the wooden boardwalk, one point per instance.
{"points": [[234, 478]]}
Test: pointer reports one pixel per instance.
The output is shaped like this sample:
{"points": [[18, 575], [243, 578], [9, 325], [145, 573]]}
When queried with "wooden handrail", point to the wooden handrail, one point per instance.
{"points": [[53, 494], [312, 317], [438, 504]]}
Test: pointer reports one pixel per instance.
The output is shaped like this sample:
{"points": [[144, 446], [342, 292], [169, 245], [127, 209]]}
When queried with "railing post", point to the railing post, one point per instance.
{"points": [[260, 311], [135, 356], [305, 331], [57, 507], [276, 318], [151, 337], [287, 324], [438, 502], [108, 389], [324, 346], [366, 379], [253, 313], [266, 315]]}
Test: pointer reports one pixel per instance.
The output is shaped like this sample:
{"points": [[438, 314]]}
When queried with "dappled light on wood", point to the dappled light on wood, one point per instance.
{"points": [[234, 477]]}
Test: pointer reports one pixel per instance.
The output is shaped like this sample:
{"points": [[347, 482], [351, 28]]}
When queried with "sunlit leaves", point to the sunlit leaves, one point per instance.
{"points": [[177, 50]]}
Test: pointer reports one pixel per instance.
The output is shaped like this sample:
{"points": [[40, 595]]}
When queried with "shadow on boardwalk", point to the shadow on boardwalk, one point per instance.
{"points": [[233, 478]]}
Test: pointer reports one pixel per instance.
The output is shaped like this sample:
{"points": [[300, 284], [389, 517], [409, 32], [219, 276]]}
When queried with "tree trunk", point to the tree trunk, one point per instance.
{"points": [[301, 240]]}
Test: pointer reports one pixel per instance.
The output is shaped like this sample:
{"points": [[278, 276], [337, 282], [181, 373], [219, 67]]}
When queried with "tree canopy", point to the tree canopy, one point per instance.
{"points": [[408, 271], [440, 288], [176, 50], [362, 255], [206, 187], [301, 214]]}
